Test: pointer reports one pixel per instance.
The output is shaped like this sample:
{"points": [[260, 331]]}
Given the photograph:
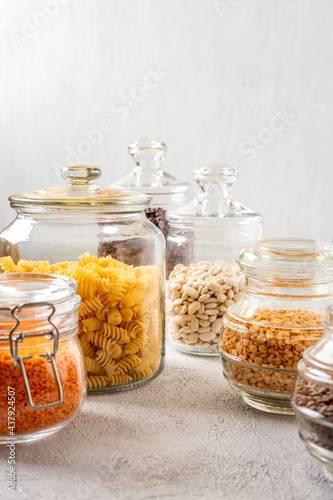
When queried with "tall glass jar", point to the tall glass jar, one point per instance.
{"points": [[204, 238], [313, 397], [42, 382], [59, 230], [288, 287], [148, 177]]}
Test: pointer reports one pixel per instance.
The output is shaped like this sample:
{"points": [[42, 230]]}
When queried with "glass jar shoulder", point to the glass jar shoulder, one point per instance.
{"points": [[62, 236]]}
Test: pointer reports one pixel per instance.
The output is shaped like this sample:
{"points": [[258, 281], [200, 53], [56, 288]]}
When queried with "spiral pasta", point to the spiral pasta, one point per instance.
{"points": [[97, 382], [92, 366], [120, 327]]}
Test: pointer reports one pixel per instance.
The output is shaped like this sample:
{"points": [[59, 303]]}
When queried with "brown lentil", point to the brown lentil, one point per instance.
{"points": [[318, 398]]}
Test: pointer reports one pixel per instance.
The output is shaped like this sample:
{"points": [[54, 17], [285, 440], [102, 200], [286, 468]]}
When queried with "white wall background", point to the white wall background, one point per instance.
{"points": [[228, 65]]}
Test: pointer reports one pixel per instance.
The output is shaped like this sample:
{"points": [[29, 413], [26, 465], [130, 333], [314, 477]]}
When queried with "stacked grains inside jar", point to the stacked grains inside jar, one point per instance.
{"points": [[197, 297], [42, 378], [313, 397], [278, 348], [281, 314]]}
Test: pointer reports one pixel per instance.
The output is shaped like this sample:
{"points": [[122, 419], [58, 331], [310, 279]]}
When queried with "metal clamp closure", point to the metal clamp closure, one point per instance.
{"points": [[53, 333]]}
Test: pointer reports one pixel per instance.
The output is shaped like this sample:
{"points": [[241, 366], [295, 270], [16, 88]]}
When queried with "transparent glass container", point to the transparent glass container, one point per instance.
{"points": [[204, 239], [288, 287], [313, 397], [62, 230], [42, 380], [149, 177]]}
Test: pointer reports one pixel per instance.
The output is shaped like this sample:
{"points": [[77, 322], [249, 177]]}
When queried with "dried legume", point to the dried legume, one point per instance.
{"points": [[271, 338], [197, 298], [317, 398], [43, 388]]}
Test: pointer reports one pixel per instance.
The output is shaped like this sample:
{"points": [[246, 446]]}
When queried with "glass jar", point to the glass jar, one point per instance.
{"points": [[59, 230], [288, 287], [313, 397], [148, 177], [204, 239], [42, 380]]}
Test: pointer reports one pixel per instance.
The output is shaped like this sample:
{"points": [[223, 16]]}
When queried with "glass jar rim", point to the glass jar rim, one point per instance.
{"points": [[288, 258]]}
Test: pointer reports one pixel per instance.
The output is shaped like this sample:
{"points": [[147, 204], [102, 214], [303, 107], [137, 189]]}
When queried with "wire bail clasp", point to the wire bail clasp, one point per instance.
{"points": [[53, 333]]}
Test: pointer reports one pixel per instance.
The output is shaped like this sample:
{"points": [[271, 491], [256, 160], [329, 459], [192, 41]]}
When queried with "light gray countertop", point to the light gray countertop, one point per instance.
{"points": [[184, 435]]}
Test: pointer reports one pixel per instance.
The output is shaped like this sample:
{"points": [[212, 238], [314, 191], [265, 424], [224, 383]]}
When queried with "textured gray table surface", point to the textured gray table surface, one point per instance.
{"points": [[184, 435]]}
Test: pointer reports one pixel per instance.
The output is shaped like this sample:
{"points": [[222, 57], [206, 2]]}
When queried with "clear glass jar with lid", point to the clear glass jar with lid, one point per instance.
{"points": [[59, 230], [313, 397], [149, 177], [288, 287], [42, 379], [204, 239]]}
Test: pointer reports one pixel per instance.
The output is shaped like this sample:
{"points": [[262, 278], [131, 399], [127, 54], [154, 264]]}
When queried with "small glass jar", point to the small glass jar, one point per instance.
{"points": [[148, 177], [42, 381], [59, 230], [313, 397], [204, 238], [288, 287]]}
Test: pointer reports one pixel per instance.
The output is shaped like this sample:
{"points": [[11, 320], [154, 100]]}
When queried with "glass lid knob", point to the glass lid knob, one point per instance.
{"points": [[216, 172], [148, 153], [81, 179], [80, 174], [215, 181]]}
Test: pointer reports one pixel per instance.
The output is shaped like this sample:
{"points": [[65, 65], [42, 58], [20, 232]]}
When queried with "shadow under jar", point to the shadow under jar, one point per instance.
{"points": [[42, 379], [288, 287], [121, 316], [313, 397], [204, 238]]}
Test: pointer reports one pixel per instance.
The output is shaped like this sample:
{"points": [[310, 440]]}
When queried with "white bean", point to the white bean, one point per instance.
{"points": [[197, 298], [207, 336], [192, 292], [217, 325], [194, 307]]}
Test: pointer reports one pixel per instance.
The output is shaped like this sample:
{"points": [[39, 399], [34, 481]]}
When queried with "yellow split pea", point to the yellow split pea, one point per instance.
{"points": [[272, 339]]}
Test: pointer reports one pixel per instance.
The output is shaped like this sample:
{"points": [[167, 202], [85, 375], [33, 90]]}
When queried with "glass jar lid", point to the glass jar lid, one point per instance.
{"points": [[33, 297], [214, 205], [289, 260], [148, 176], [81, 191]]}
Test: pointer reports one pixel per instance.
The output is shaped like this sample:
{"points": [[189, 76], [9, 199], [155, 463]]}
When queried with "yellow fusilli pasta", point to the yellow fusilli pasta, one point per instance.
{"points": [[120, 327]]}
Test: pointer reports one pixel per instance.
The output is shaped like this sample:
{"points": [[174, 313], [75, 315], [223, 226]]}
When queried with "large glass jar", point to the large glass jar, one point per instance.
{"points": [[313, 397], [148, 177], [42, 380], [288, 287], [204, 239], [59, 230]]}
